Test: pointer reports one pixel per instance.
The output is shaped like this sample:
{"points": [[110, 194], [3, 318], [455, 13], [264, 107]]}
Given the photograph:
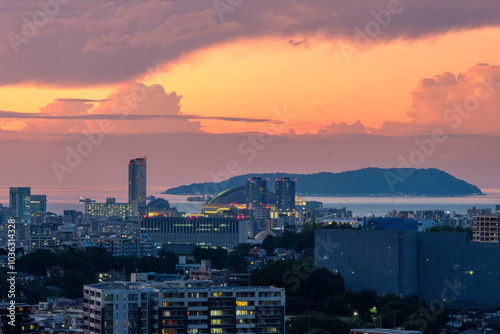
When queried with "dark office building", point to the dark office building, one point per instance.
{"points": [[256, 192], [285, 195], [137, 183], [445, 267], [38, 204], [20, 201]]}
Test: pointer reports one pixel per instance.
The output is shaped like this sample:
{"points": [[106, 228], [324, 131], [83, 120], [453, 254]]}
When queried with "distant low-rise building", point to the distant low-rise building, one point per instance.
{"points": [[125, 246], [109, 209], [206, 273], [201, 231]]}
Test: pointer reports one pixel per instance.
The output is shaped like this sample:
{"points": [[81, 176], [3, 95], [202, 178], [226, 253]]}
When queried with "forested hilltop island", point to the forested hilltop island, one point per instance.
{"points": [[362, 182]]}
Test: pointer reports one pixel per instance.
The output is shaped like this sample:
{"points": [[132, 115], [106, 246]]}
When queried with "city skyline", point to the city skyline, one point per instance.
{"points": [[250, 166], [367, 82]]}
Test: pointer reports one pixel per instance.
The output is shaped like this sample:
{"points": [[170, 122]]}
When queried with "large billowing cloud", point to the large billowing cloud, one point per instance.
{"points": [[132, 108], [343, 128], [456, 103], [96, 42], [464, 103]]}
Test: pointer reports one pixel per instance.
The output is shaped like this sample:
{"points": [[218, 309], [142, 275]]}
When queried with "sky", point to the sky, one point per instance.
{"points": [[211, 89]]}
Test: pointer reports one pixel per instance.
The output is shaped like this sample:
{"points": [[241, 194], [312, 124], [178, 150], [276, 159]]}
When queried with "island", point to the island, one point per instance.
{"points": [[363, 182]]}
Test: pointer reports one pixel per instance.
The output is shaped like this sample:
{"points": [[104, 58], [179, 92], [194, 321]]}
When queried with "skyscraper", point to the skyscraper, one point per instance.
{"points": [[137, 183], [256, 192], [285, 195], [38, 204], [20, 201]]}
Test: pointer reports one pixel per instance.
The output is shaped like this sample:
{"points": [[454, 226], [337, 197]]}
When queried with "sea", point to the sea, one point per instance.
{"points": [[67, 198]]}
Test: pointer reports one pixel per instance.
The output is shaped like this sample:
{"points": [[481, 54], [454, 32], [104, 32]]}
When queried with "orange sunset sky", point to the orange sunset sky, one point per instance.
{"points": [[362, 78]]}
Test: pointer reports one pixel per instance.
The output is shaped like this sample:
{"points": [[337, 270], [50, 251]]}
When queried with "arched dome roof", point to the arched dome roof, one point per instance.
{"points": [[237, 195], [158, 204], [263, 234]]}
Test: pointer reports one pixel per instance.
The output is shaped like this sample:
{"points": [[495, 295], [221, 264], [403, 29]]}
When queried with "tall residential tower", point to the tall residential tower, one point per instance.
{"points": [[256, 192], [285, 195], [137, 183], [20, 201]]}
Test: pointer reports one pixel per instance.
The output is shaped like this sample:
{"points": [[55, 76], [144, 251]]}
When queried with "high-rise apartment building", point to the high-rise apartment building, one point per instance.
{"points": [[182, 307], [20, 201], [285, 195], [137, 183], [486, 228], [256, 192]]}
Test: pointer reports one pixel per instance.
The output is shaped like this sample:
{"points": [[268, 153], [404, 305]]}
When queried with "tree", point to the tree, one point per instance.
{"points": [[217, 256], [306, 286], [317, 331]]}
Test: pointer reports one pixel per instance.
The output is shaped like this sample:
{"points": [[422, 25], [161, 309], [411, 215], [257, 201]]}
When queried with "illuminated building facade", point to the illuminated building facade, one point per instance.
{"points": [[256, 192], [182, 307], [109, 209], [285, 195], [137, 183], [201, 231], [19, 202], [38, 204], [220, 310], [125, 246], [486, 228], [22, 321]]}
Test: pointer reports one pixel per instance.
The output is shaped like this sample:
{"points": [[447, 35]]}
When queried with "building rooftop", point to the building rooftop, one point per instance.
{"points": [[237, 195], [383, 331]]}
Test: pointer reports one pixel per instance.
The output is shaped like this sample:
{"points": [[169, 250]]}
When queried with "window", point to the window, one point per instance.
{"points": [[216, 313], [241, 303]]}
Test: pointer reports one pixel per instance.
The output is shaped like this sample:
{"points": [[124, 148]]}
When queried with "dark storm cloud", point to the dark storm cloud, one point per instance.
{"points": [[89, 42]]}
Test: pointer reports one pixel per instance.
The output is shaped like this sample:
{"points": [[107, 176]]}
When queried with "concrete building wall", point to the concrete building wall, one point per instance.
{"points": [[459, 272], [381, 260], [439, 266]]}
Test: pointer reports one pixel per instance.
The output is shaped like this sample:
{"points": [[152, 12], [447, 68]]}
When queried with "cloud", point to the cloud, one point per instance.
{"points": [[343, 128], [117, 40], [465, 103], [304, 43], [82, 100], [133, 108], [19, 115]]}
